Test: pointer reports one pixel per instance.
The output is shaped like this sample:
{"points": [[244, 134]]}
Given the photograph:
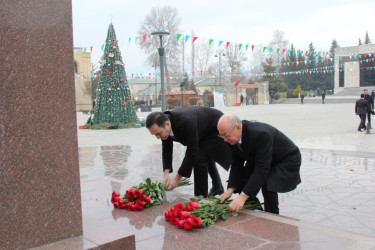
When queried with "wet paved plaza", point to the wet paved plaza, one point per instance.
{"points": [[331, 209]]}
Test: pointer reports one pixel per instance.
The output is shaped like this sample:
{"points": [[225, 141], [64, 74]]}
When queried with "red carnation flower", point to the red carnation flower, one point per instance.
{"points": [[131, 206], [179, 207], [180, 223], [122, 203], [114, 199], [184, 214], [138, 208], [174, 220], [197, 222], [166, 215], [176, 214], [115, 194], [188, 208], [140, 203], [147, 200], [138, 192], [130, 191], [194, 205], [188, 224]]}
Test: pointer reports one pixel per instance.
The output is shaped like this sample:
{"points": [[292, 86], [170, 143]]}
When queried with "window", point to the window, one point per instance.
{"points": [[367, 70]]}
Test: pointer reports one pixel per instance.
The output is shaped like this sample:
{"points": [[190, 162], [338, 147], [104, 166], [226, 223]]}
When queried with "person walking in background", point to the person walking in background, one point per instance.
{"points": [[93, 104], [361, 107], [247, 100], [241, 99], [196, 128], [370, 108], [323, 96], [302, 97], [272, 97], [263, 158]]}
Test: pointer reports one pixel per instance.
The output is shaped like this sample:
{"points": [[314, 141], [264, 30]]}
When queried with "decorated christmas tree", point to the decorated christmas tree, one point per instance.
{"points": [[113, 101]]}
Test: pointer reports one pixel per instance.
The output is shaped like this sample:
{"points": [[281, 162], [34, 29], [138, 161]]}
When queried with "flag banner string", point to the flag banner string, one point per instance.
{"points": [[213, 74]]}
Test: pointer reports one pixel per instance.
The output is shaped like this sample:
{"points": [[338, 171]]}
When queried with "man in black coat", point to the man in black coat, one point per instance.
{"points": [[361, 107], [263, 157], [370, 108], [195, 128]]}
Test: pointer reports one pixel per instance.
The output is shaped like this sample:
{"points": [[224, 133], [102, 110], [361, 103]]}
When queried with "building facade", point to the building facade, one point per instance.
{"points": [[354, 67], [82, 74]]}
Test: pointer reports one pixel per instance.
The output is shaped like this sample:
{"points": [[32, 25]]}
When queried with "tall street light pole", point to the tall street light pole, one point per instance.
{"points": [[220, 53], [161, 33]]}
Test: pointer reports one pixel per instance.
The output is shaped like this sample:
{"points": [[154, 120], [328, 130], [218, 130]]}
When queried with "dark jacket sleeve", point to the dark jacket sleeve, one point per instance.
{"points": [[235, 173], [167, 154], [355, 109], [262, 165], [192, 149]]}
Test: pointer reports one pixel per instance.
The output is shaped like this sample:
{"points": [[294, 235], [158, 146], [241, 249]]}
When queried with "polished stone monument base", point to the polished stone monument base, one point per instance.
{"points": [[107, 168]]}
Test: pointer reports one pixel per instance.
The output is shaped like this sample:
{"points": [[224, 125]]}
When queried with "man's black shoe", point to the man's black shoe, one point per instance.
{"points": [[216, 191]]}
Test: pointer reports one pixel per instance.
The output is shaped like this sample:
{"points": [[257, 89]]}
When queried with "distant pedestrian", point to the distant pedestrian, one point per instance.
{"points": [[253, 99], [272, 97], [241, 98], [361, 107], [302, 97], [323, 96], [247, 100], [370, 108]]}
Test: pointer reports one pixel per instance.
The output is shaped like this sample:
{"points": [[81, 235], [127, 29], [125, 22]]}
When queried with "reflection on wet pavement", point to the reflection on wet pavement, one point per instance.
{"points": [[336, 191]]}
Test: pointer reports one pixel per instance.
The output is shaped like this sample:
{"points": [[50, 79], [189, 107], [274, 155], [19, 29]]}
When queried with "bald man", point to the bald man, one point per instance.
{"points": [[263, 158]]}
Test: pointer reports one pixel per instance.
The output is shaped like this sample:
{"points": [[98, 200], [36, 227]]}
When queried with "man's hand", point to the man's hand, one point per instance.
{"points": [[226, 195], [237, 204], [174, 182], [167, 178]]}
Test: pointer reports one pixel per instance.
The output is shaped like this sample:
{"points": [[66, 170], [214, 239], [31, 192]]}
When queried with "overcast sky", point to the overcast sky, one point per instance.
{"points": [[242, 21]]}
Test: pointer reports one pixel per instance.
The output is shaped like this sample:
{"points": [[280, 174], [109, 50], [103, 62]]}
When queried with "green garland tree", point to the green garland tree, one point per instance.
{"points": [[113, 101]]}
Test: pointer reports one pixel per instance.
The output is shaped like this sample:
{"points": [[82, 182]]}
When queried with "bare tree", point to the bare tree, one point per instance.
{"points": [[165, 18], [203, 54], [278, 42], [234, 57], [258, 58]]}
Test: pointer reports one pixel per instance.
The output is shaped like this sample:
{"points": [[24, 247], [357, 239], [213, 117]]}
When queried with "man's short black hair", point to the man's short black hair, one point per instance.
{"points": [[362, 95], [158, 118]]}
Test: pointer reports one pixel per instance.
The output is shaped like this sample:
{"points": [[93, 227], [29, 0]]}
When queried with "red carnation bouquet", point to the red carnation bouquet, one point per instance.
{"points": [[143, 196], [196, 214]]}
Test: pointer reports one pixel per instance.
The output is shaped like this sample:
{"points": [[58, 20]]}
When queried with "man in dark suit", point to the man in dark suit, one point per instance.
{"points": [[361, 107], [195, 128], [263, 157], [370, 108], [323, 96]]}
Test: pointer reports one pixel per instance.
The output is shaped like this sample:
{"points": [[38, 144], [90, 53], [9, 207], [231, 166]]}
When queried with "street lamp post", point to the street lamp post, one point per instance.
{"points": [[161, 56], [220, 53], [156, 89]]}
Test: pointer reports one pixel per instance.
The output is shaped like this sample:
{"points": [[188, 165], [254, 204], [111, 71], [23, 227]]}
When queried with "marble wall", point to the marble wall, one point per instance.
{"points": [[40, 198]]}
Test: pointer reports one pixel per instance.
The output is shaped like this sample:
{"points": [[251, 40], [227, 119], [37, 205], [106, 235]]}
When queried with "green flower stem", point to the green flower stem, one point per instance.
{"points": [[209, 213]]}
